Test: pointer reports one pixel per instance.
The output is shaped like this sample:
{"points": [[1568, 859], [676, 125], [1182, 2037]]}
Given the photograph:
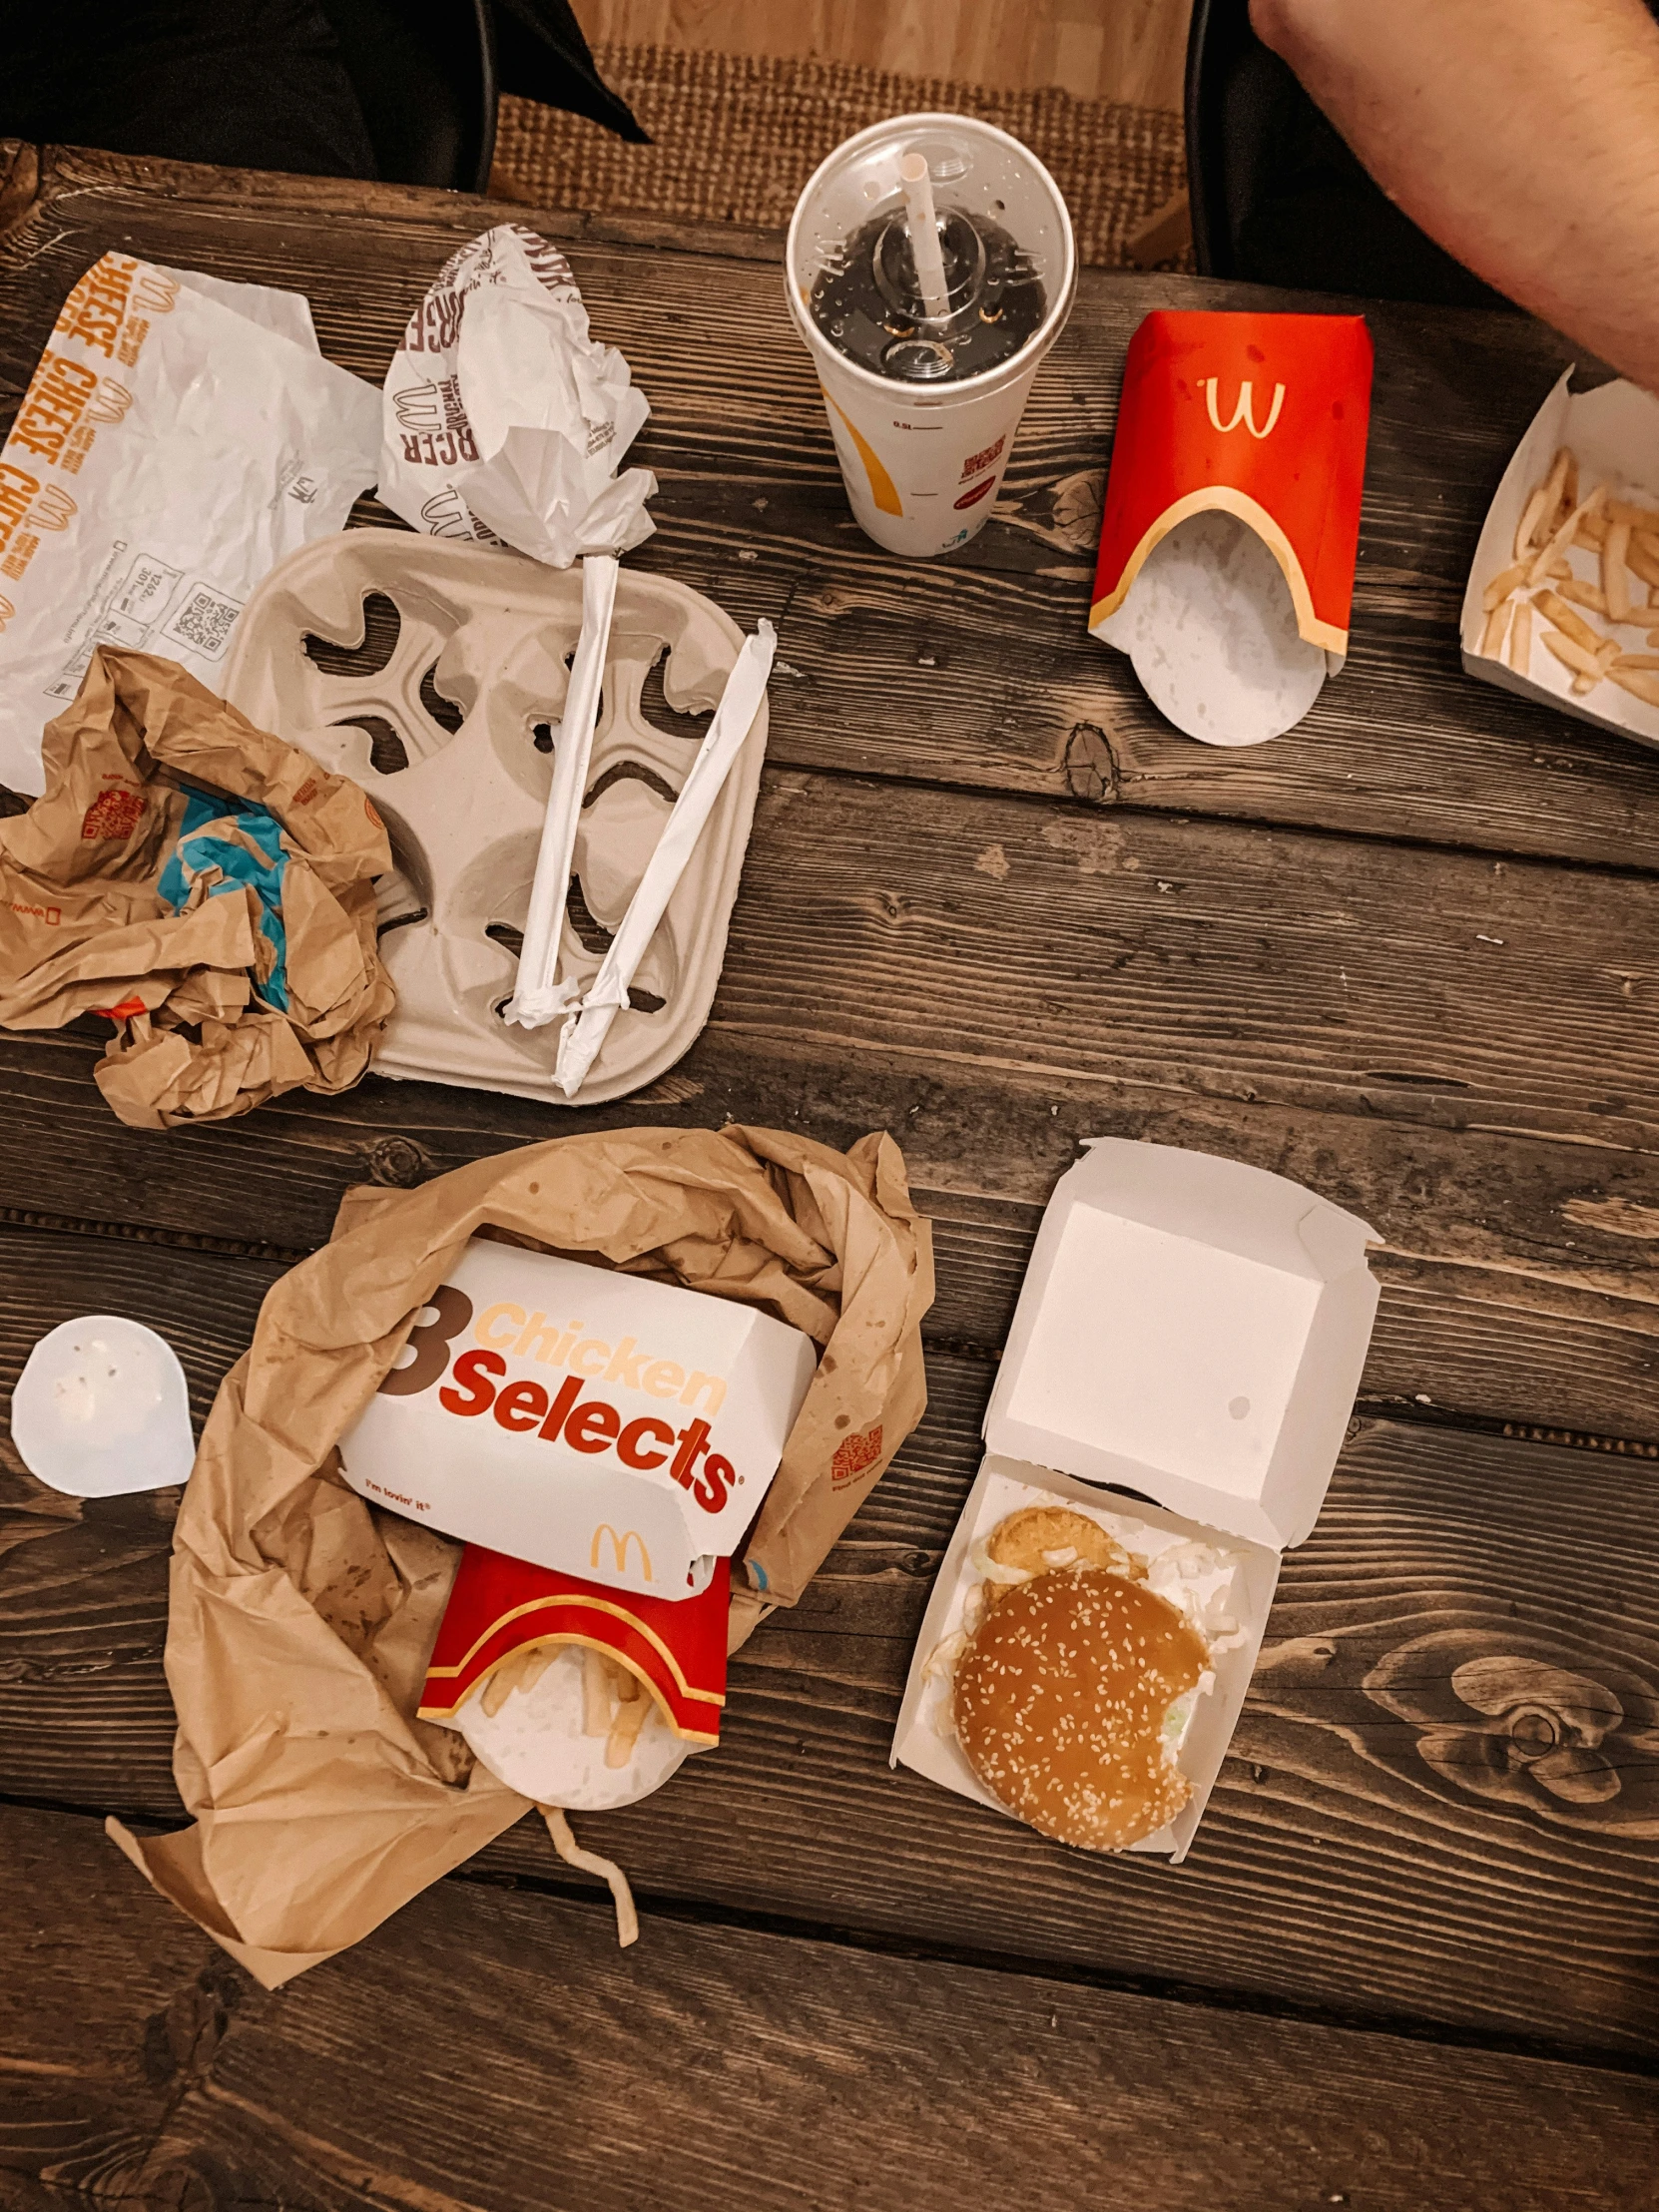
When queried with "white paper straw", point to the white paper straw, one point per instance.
{"points": [[739, 702], [924, 236], [539, 997]]}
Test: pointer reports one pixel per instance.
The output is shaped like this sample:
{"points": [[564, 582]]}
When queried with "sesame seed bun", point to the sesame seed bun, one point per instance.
{"points": [[1060, 1700]]}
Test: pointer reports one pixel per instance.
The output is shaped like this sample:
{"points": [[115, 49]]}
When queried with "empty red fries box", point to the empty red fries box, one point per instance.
{"points": [[1260, 418]]}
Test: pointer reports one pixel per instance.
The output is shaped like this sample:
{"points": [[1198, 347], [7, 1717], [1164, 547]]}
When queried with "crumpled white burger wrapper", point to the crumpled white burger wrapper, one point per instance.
{"points": [[503, 420], [213, 439]]}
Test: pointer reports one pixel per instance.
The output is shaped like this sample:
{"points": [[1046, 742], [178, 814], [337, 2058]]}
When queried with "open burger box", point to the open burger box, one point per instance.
{"points": [[1182, 1368]]}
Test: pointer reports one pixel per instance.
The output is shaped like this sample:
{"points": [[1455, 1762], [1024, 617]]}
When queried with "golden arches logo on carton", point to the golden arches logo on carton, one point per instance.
{"points": [[619, 1548], [1244, 409]]}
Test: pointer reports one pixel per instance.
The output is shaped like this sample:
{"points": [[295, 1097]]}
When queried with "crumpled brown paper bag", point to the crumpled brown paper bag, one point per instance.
{"points": [[300, 1618], [83, 928]]}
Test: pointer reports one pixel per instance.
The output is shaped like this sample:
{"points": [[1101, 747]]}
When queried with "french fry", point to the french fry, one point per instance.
{"points": [[1591, 533], [1615, 584], [1533, 517], [1551, 604], [1634, 517], [1544, 507], [1554, 547], [630, 1719], [1587, 595], [521, 1672], [1569, 489], [1638, 683], [1520, 638], [596, 1693], [1497, 624], [1581, 662], [1502, 584], [1641, 562], [1636, 660]]}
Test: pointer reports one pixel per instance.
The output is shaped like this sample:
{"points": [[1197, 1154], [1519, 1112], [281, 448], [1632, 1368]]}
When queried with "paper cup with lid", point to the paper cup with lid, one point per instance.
{"points": [[1232, 520], [929, 267]]}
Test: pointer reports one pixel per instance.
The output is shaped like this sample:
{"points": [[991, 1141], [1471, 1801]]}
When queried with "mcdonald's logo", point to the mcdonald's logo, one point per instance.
{"points": [[1244, 412], [110, 402], [418, 407], [619, 1549], [7, 610], [156, 293], [53, 509]]}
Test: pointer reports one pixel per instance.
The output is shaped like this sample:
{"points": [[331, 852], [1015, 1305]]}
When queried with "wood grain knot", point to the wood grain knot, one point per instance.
{"points": [[398, 1162], [183, 2037], [1561, 1734], [1092, 771]]}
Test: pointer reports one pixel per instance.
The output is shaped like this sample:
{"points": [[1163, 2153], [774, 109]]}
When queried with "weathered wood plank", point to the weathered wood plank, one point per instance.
{"points": [[905, 667], [715, 2067], [1376, 1845], [1516, 1275], [1457, 1048]]}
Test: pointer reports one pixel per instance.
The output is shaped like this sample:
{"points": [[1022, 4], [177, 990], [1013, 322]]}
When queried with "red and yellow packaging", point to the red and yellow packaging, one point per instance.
{"points": [[1261, 415], [500, 1606]]}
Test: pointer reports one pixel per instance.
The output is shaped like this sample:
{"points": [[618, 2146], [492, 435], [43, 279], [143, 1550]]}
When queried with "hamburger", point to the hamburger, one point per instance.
{"points": [[1074, 1682]]}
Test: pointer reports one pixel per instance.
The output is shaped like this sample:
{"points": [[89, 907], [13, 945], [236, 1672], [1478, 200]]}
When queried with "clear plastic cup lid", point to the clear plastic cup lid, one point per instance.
{"points": [[1006, 252]]}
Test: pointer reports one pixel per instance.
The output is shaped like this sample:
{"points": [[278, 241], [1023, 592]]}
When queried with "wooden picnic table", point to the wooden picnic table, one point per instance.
{"points": [[1405, 954]]}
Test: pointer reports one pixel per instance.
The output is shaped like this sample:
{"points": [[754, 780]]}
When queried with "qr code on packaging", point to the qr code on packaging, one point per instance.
{"points": [[203, 620]]}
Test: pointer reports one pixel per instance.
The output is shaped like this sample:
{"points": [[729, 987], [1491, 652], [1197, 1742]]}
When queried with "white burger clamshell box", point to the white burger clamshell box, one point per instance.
{"points": [[1183, 1363], [1614, 432], [610, 1427]]}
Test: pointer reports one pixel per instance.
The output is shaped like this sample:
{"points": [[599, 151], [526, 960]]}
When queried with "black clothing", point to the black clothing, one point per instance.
{"points": [[326, 88]]}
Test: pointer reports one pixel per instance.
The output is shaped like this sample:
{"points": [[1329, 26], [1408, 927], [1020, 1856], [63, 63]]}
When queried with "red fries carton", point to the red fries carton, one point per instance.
{"points": [[500, 1606], [1260, 416], [1231, 519]]}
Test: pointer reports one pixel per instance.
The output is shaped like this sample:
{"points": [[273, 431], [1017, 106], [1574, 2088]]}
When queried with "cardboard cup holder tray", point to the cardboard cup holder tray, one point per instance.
{"points": [[449, 727]]}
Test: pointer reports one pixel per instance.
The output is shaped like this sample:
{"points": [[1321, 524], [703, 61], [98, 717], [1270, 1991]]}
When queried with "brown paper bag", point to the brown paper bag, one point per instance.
{"points": [[83, 926], [302, 1617]]}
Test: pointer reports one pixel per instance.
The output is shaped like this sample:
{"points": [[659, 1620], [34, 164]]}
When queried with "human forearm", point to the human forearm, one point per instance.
{"points": [[1523, 135]]}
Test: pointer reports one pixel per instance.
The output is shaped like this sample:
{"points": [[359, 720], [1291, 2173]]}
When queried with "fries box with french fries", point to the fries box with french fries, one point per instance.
{"points": [[601, 1423], [1232, 518], [506, 1619], [1563, 597], [571, 1693]]}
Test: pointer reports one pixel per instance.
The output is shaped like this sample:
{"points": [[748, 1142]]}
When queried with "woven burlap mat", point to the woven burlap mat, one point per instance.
{"points": [[738, 134]]}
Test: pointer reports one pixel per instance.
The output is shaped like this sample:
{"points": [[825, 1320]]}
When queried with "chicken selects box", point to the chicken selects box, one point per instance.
{"points": [[613, 1428], [1175, 1390]]}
